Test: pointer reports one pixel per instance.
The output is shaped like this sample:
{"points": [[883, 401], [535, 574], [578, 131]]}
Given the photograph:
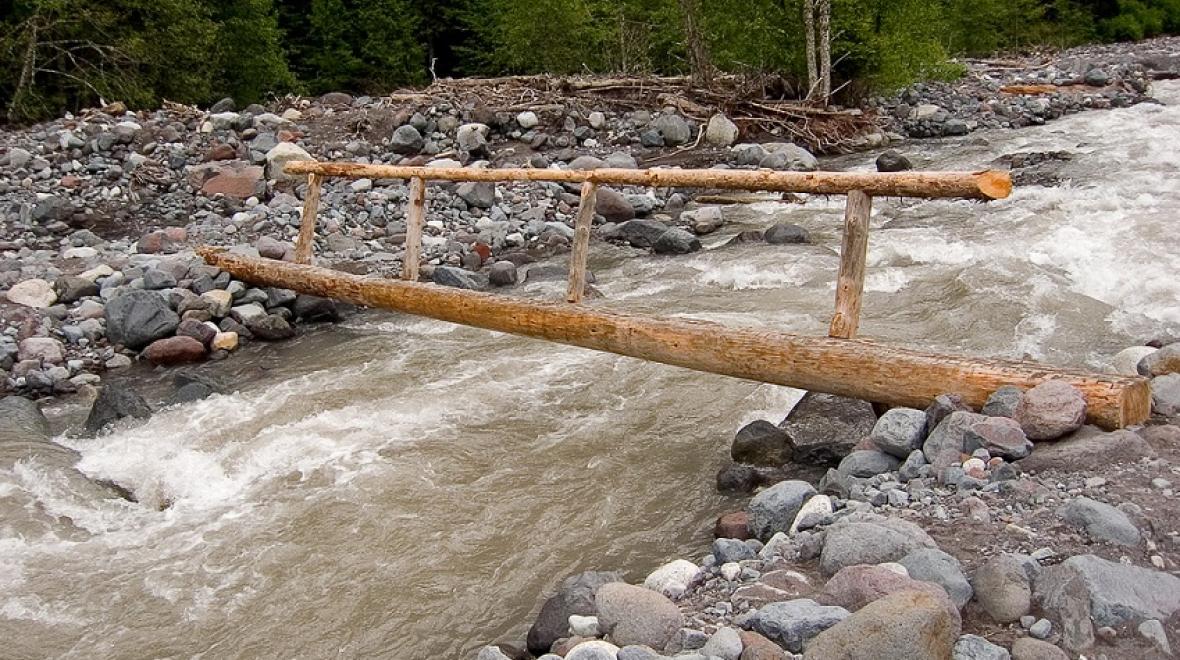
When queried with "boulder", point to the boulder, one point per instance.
{"points": [[1027, 648], [1101, 521], [406, 140], [278, 157], [868, 463], [1162, 362], [271, 327], [1003, 402], [814, 511], [480, 195], [794, 623], [726, 551], [1091, 448], [1051, 410], [1126, 362], [676, 241], [136, 318], [854, 587], [673, 579], [1000, 436], [456, 277], [35, 293], [502, 273], [641, 233], [974, 647], [594, 649], [899, 431], [823, 428], [634, 615], [725, 644], [787, 156], [761, 443], [942, 406], [612, 205], [735, 525], [785, 233], [44, 349], [174, 350], [908, 625], [72, 289], [774, 509], [933, 565], [673, 128], [236, 179], [948, 441], [1165, 395], [574, 596], [870, 540], [892, 161], [473, 137], [721, 132], [705, 220], [1002, 588], [115, 402]]}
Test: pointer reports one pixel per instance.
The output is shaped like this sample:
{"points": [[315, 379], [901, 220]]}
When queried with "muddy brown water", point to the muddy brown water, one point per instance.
{"points": [[404, 488]]}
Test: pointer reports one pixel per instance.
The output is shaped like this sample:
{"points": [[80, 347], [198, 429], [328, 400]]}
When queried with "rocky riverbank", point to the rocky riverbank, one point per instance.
{"points": [[1010, 532], [99, 208]]}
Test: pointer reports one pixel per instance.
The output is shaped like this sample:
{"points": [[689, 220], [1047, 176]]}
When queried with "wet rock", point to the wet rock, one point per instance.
{"points": [[1101, 521], [1087, 591], [785, 233], [278, 157], [502, 273], [1002, 588], [870, 541], [774, 509], [899, 431], [734, 525], [136, 318], [704, 220], [1027, 648], [574, 596], [612, 205], [315, 308], [641, 233], [974, 647], [823, 428], [1000, 436], [893, 161], [115, 402], [854, 587], [634, 615], [202, 332], [792, 624], [271, 327], [1051, 410], [1090, 448], [676, 241], [909, 625], [174, 350], [761, 443], [868, 463], [673, 579], [947, 442], [737, 478], [456, 277]]}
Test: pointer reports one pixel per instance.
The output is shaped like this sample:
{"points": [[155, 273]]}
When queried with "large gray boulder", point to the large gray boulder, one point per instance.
{"points": [[823, 428], [870, 540], [868, 463], [774, 509], [933, 565], [1087, 591], [947, 442], [900, 431], [908, 625], [634, 615], [115, 402], [406, 140], [794, 623], [136, 318], [674, 129], [1002, 588], [676, 241], [761, 443], [1101, 521], [1090, 448], [574, 596], [641, 233], [457, 277]]}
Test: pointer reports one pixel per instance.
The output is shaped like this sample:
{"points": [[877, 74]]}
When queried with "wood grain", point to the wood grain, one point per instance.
{"points": [[415, 221], [311, 208], [850, 283], [581, 247], [848, 367]]}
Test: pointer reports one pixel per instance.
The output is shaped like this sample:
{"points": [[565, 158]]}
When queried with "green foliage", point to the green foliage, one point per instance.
{"points": [[251, 62]]}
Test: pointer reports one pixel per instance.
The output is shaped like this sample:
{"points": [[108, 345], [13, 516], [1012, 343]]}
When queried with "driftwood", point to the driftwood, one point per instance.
{"points": [[985, 185], [848, 367]]}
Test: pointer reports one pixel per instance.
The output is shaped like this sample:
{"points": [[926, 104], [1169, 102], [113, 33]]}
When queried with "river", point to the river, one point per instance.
{"points": [[404, 488]]}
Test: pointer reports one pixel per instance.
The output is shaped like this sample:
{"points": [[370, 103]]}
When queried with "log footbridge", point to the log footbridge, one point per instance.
{"points": [[837, 364]]}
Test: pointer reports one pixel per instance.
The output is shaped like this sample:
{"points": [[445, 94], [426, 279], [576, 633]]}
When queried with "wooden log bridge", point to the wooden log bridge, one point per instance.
{"points": [[837, 364], [849, 367]]}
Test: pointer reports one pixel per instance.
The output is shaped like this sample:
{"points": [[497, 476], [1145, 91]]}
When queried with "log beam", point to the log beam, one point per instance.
{"points": [[311, 208], [415, 221], [581, 248], [848, 367], [987, 184], [850, 284]]}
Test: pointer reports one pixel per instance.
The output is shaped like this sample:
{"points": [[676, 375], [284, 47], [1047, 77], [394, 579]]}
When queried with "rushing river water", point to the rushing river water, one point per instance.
{"points": [[404, 488]]}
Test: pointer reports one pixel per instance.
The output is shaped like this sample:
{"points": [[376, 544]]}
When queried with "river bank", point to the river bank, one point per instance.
{"points": [[445, 480]]}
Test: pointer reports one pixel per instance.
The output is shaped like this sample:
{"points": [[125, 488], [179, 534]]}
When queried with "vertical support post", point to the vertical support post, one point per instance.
{"points": [[311, 207], [854, 251], [415, 221], [581, 249]]}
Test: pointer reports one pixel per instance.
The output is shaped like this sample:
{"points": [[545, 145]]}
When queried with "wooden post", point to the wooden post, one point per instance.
{"points": [[415, 221], [851, 282], [311, 207], [848, 367], [581, 248]]}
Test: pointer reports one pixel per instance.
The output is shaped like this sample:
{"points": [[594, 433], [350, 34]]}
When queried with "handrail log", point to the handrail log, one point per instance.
{"points": [[848, 367], [984, 185]]}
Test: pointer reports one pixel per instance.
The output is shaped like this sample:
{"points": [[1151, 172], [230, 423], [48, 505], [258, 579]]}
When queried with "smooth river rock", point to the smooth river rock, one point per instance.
{"points": [[634, 615], [909, 625]]}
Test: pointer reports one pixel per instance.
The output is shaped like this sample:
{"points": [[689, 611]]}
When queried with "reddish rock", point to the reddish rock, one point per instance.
{"points": [[175, 350], [197, 330], [176, 234], [734, 525], [482, 250], [854, 587], [757, 647], [70, 181], [156, 242], [1051, 410], [230, 178], [289, 136], [221, 152]]}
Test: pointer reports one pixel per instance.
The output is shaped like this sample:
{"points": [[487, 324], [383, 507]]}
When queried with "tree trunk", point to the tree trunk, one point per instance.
{"points": [[698, 52], [825, 50], [809, 38], [28, 66]]}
